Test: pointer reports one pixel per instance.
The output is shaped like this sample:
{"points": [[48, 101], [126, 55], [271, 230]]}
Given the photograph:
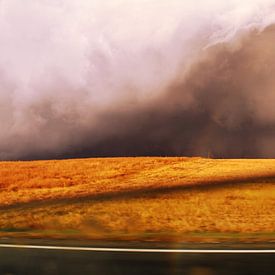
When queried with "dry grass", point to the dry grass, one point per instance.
{"points": [[148, 198]]}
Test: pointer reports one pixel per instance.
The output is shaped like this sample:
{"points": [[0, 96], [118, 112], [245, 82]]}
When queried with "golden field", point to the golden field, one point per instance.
{"points": [[139, 199]]}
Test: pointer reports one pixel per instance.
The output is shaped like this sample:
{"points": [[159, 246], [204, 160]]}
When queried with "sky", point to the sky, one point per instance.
{"points": [[93, 78]]}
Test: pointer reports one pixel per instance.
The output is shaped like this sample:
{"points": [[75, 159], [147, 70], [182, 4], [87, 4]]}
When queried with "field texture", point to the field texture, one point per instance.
{"points": [[180, 199]]}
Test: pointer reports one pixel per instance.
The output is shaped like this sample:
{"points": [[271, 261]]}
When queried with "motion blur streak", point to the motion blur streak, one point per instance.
{"points": [[136, 77]]}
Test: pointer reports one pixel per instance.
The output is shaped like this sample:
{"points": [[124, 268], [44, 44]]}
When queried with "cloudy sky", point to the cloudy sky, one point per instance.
{"points": [[137, 77]]}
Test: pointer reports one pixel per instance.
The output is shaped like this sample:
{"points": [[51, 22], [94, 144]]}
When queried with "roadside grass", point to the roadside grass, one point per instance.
{"points": [[160, 199]]}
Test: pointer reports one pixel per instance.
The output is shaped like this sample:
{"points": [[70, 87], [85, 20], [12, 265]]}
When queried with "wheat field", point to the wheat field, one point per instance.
{"points": [[147, 198]]}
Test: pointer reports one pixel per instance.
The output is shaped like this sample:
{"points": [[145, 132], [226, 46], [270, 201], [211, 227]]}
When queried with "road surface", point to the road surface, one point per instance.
{"points": [[59, 258]]}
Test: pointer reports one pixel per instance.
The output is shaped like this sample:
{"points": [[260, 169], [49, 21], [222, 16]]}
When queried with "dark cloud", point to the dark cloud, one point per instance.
{"points": [[199, 87], [229, 111]]}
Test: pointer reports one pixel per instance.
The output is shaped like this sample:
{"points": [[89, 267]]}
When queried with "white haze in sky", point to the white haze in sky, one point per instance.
{"points": [[64, 63]]}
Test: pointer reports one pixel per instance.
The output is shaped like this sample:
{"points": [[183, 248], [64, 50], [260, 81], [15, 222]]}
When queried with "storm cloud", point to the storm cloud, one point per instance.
{"points": [[129, 78]]}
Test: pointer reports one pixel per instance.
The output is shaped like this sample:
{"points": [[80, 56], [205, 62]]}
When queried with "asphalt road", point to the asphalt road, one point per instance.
{"points": [[110, 260]]}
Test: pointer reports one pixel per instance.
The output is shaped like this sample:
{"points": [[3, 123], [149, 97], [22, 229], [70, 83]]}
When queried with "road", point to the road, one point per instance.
{"points": [[31, 258]]}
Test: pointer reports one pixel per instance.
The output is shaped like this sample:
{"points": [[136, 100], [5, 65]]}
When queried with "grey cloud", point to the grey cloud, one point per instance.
{"points": [[80, 82]]}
